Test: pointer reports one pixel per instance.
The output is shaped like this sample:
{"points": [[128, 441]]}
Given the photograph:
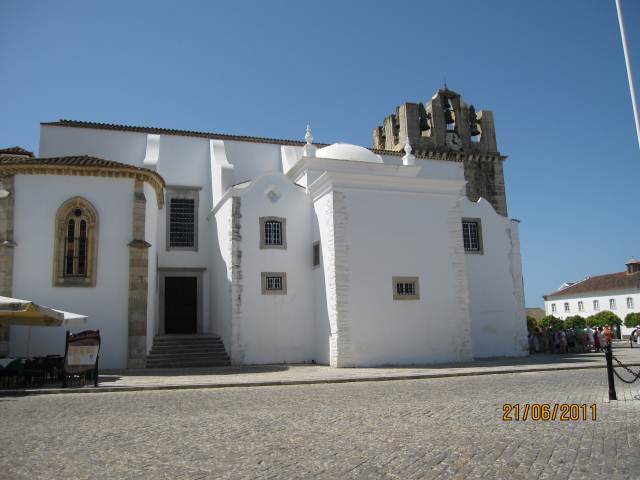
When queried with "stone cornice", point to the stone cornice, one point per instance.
{"points": [[329, 181], [120, 171], [451, 156], [349, 166]]}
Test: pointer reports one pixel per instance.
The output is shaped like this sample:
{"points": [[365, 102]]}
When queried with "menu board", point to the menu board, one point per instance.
{"points": [[81, 353]]}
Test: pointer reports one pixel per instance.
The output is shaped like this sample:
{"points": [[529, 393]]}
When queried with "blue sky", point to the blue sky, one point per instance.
{"points": [[552, 72]]}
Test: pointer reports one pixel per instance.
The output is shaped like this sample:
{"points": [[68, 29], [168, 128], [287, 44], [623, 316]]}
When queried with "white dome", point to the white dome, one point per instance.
{"points": [[347, 151]]}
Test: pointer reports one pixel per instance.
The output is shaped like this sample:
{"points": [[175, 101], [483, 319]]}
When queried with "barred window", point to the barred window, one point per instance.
{"points": [[553, 308], [274, 283], [181, 222], [472, 235], [566, 306], [629, 302], [182, 218], [406, 288], [612, 304], [580, 306], [596, 305], [273, 233]]}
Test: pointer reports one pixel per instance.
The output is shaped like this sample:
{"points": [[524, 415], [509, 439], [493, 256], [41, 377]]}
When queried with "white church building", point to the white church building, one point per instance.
{"points": [[285, 251]]}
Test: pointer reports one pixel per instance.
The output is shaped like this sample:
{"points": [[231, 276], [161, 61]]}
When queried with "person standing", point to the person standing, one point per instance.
{"points": [[589, 339], [635, 333], [608, 336]]}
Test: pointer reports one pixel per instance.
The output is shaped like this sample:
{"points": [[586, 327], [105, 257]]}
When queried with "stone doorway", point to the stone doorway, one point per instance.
{"points": [[180, 305], [180, 302]]}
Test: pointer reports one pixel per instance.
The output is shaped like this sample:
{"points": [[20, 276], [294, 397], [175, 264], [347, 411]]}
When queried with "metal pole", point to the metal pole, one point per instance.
{"points": [[612, 386], [625, 48]]}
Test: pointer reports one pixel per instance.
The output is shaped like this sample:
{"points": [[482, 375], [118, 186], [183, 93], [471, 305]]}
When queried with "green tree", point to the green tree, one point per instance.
{"points": [[575, 321], [551, 321], [532, 323], [603, 318], [632, 319]]}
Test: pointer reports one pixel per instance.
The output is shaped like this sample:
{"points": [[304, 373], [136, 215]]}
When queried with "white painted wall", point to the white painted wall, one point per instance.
{"points": [[498, 320], [322, 330], [620, 297], [125, 147], [38, 198], [221, 274], [404, 234], [276, 328], [437, 169]]}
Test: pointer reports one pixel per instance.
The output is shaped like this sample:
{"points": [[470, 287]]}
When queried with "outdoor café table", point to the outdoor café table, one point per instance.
{"points": [[10, 367]]}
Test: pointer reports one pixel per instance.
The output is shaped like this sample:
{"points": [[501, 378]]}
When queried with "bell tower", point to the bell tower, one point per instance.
{"points": [[445, 128]]}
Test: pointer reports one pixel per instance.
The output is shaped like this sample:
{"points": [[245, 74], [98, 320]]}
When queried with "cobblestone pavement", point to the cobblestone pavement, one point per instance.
{"points": [[434, 428]]}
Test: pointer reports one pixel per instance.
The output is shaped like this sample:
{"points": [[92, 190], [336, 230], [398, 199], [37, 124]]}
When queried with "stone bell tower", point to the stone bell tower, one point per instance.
{"points": [[445, 128]]}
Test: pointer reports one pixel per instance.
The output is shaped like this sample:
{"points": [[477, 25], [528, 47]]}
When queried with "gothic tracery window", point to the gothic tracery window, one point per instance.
{"points": [[76, 241]]}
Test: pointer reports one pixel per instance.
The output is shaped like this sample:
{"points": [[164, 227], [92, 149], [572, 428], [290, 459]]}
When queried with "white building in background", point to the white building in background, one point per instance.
{"points": [[617, 292], [285, 250]]}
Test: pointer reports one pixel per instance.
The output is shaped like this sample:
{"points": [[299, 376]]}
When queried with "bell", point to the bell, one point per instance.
{"points": [[448, 116]]}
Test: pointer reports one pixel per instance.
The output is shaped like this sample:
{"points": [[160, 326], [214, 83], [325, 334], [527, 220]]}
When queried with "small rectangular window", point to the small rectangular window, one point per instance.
{"points": [[406, 288], [273, 233], [472, 235], [596, 305], [629, 302], [581, 306], [316, 254], [274, 283], [553, 308], [612, 304], [566, 306]]}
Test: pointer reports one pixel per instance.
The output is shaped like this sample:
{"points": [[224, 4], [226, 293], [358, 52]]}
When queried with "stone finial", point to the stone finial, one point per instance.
{"points": [[309, 148], [4, 193], [308, 136], [408, 159]]}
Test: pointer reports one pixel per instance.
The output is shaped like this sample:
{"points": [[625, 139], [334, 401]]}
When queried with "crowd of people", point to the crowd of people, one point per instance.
{"points": [[569, 340]]}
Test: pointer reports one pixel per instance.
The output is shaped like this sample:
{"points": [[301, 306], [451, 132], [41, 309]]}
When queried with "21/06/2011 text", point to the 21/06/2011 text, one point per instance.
{"points": [[565, 412]]}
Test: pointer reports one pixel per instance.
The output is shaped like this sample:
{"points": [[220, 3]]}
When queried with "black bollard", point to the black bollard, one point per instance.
{"points": [[612, 387]]}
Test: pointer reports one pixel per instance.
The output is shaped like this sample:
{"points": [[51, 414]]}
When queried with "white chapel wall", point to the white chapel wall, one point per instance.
{"points": [[495, 286], [37, 200], [276, 328], [220, 286], [403, 234]]}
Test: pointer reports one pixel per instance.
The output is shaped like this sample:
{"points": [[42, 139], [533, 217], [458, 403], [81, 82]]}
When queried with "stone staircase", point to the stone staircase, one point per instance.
{"points": [[186, 351]]}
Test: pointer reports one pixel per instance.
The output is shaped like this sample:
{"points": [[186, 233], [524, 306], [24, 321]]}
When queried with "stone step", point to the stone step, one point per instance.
{"points": [[187, 364], [221, 354], [171, 348], [185, 351], [184, 341]]}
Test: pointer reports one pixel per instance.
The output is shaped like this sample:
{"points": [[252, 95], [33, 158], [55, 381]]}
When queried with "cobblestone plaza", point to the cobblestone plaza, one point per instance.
{"points": [[434, 428]]}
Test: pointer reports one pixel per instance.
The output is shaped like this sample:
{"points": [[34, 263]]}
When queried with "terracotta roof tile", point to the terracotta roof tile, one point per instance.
{"points": [[15, 151], [75, 160], [599, 283]]}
